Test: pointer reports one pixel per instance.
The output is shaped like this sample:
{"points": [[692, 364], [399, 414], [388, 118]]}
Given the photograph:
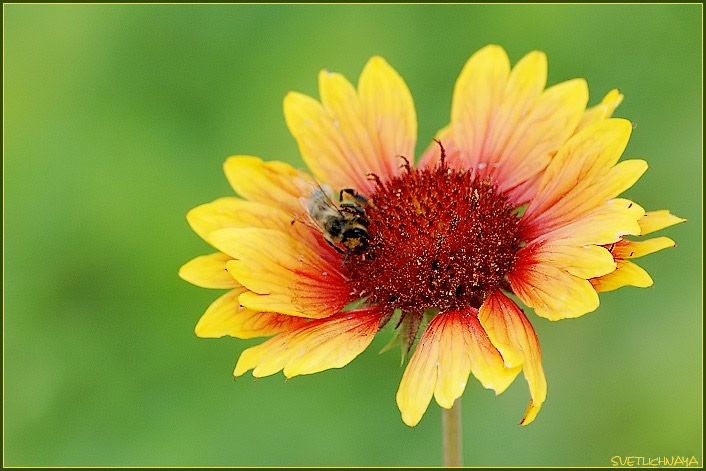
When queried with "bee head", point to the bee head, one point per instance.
{"points": [[334, 227]]}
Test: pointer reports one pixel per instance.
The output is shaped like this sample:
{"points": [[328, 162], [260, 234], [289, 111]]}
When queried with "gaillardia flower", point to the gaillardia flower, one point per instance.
{"points": [[518, 196]]}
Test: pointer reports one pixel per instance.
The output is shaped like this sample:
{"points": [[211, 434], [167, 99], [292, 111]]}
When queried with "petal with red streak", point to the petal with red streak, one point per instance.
{"points": [[350, 134], [316, 346], [632, 249], [513, 335], [551, 291], [547, 125], [453, 345], [583, 167], [282, 273], [477, 96]]}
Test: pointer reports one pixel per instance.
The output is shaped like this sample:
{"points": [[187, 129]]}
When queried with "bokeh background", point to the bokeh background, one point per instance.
{"points": [[117, 119]]}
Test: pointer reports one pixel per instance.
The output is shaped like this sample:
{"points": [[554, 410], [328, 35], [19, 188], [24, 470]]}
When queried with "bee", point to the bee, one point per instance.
{"points": [[343, 225]]}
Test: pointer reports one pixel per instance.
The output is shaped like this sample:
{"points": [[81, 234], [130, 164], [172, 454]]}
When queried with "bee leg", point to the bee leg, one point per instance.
{"points": [[352, 208], [360, 199], [361, 221], [336, 248], [345, 259], [348, 191]]}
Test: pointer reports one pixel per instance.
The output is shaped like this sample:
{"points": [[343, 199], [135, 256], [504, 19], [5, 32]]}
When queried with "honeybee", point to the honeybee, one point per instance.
{"points": [[345, 224]]}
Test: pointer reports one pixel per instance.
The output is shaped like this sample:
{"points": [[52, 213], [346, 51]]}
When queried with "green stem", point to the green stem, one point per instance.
{"points": [[451, 425]]}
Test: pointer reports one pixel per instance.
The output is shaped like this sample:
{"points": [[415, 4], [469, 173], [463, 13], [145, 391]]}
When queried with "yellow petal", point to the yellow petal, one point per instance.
{"points": [[419, 378], [547, 125], [656, 220], [464, 347], [208, 271], [225, 316], [601, 111], [234, 212], [588, 261], [453, 345], [273, 183], [273, 263], [631, 249], [512, 333], [588, 195], [315, 346], [580, 166], [323, 146], [351, 134], [551, 291], [486, 362], [388, 111], [603, 225], [525, 83], [627, 274], [477, 95], [454, 359], [340, 101]]}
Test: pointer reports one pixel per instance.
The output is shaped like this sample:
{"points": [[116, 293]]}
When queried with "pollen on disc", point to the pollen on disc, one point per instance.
{"points": [[437, 238]]}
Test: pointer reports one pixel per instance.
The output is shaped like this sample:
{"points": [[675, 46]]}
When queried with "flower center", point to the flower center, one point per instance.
{"points": [[438, 238]]}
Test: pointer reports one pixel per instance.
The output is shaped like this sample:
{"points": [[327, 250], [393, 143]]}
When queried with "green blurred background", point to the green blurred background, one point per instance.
{"points": [[117, 121]]}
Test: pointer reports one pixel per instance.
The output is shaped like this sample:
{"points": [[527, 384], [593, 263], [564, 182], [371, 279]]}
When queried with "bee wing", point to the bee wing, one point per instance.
{"points": [[305, 217], [317, 202]]}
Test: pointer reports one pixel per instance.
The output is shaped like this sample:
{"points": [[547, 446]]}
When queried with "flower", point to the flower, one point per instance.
{"points": [[518, 196]]}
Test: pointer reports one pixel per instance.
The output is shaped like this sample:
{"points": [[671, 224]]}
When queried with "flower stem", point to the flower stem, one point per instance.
{"points": [[451, 425]]}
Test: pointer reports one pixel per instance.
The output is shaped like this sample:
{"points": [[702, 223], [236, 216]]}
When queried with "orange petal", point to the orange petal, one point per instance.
{"points": [[627, 274], [477, 96], [587, 261], [283, 274], [551, 291], [486, 362], [603, 225], [524, 85], [273, 183], [656, 220], [590, 195], [352, 134], [601, 111], [540, 133], [631, 249], [581, 169], [225, 316], [512, 333], [453, 345], [208, 271], [315, 346]]}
